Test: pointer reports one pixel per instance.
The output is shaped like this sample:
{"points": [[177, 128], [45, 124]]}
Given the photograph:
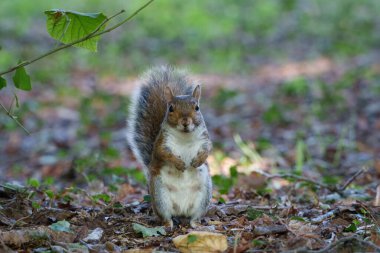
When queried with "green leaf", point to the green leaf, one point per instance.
{"points": [[146, 232], [223, 183], [258, 243], [36, 205], [147, 198], [351, 228], [3, 82], [14, 186], [233, 171], [117, 205], [33, 182], [221, 200], [191, 238], [102, 196], [69, 26], [298, 218], [22, 80], [49, 193], [253, 214], [62, 226], [273, 115]]}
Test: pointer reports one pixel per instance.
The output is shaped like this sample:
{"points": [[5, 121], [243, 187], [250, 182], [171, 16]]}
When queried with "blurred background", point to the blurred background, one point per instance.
{"points": [[288, 85]]}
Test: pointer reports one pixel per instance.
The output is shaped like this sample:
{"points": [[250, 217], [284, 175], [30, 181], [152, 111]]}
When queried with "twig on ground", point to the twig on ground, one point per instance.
{"points": [[296, 177], [377, 198], [332, 188], [267, 230], [236, 242], [324, 216], [351, 179], [21, 219]]}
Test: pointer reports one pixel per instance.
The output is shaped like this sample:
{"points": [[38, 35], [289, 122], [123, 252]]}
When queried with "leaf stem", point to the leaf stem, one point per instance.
{"points": [[12, 117], [93, 34]]}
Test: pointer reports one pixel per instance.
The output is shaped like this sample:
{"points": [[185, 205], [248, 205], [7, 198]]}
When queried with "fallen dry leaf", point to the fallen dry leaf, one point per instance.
{"points": [[200, 241], [300, 228]]}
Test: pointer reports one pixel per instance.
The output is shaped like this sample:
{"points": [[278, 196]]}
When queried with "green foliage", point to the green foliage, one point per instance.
{"points": [[300, 156], [223, 183], [69, 26], [49, 193], [101, 196], [273, 115], [3, 83], [223, 95], [36, 205], [352, 227], [248, 149], [191, 238], [298, 218], [61, 226], [297, 87], [258, 243], [221, 200], [136, 174], [147, 198], [33, 182], [22, 80], [147, 232], [262, 144], [331, 180], [253, 214]]}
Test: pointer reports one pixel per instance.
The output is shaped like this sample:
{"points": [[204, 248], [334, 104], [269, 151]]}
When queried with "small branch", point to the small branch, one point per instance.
{"points": [[14, 118], [95, 33], [323, 217], [332, 188], [292, 176], [351, 179], [267, 230]]}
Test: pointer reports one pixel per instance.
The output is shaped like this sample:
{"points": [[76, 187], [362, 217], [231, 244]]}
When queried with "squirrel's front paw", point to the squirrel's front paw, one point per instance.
{"points": [[196, 163], [181, 166]]}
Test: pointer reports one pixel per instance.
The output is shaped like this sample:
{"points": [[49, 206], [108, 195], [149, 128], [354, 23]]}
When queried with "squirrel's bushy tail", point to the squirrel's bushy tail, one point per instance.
{"points": [[148, 107]]}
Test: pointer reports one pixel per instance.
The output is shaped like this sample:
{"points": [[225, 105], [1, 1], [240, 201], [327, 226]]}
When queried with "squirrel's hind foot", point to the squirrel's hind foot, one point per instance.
{"points": [[193, 224], [169, 224]]}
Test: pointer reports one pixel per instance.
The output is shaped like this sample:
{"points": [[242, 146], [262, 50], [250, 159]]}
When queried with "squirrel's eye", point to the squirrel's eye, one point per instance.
{"points": [[197, 108], [171, 109]]}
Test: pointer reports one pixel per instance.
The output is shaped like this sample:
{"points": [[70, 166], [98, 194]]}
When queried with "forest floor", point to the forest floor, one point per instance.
{"points": [[295, 166]]}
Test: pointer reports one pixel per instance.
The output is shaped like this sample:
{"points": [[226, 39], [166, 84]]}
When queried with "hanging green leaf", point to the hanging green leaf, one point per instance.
{"points": [[3, 82], [22, 80], [69, 26]]}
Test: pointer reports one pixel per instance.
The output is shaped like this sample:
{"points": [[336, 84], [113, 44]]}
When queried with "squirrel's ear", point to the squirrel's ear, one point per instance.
{"points": [[197, 92], [168, 94]]}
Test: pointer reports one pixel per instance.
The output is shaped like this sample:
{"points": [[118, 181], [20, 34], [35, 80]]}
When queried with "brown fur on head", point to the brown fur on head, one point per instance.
{"points": [[183, 111]]}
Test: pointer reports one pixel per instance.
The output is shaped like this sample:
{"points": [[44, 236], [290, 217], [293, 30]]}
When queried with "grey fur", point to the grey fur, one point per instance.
{"points": [[150, 110]]}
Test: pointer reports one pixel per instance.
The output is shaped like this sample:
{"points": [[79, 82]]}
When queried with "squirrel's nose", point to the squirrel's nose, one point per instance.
{"points": [[186, 122]]}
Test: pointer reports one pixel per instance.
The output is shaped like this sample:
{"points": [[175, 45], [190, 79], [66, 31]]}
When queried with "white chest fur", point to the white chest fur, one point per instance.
{"points": [[185, 192], [185, 145]]}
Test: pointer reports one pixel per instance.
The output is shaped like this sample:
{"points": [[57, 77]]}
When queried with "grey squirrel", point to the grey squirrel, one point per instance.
{"points": [[168, 136]]}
